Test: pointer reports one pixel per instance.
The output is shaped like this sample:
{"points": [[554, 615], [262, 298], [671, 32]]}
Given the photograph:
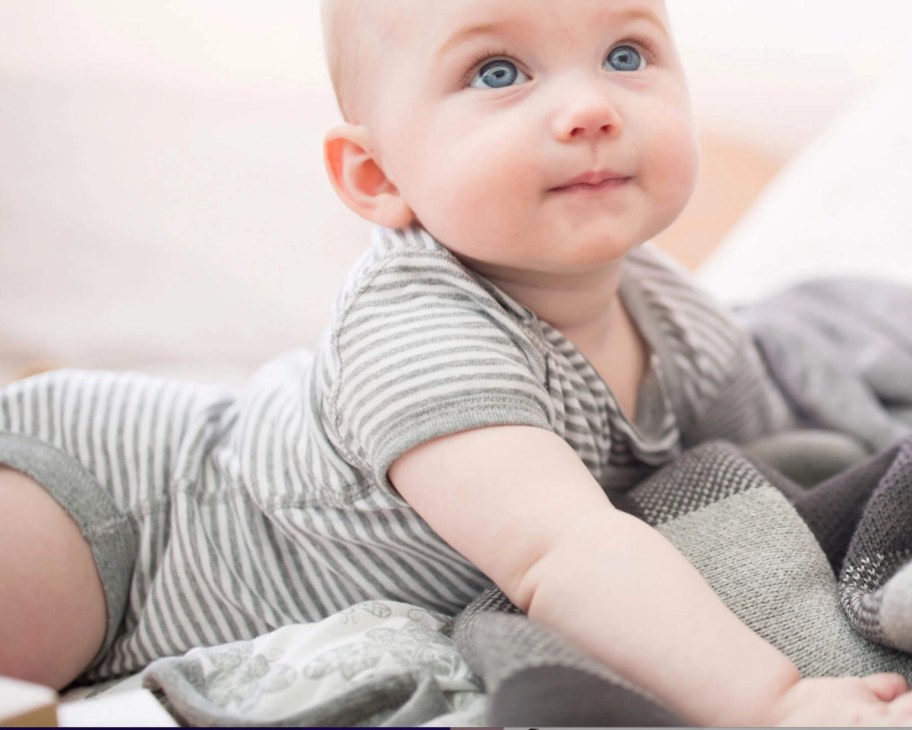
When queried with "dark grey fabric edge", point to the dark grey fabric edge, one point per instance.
{"points": [[565, 696]]}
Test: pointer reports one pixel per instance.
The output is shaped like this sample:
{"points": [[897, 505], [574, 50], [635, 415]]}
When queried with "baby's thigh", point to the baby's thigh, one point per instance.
{"points": [[52, 606], [108, 449]]}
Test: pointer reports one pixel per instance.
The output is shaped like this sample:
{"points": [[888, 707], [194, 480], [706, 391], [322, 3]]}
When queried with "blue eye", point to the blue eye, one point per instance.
{"points": [[625, 58], [498, 74]]}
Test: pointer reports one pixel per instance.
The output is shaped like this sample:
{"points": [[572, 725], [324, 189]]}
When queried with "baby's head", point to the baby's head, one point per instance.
{"points": [[530, 137], [354, 32]]}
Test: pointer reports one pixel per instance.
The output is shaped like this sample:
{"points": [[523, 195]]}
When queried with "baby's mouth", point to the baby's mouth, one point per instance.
{"points": [[592, 181]]}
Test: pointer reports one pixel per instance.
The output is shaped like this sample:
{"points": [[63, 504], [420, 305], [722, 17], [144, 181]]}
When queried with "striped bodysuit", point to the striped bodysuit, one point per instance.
{"points": [[216, 516]]}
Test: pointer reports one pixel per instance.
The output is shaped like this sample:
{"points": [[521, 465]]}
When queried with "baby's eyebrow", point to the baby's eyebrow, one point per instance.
{"points": [[467, 34], [470, 32]]}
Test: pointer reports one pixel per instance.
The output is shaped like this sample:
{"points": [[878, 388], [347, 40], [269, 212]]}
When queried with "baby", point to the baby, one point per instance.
{"points": [[505, 358]]}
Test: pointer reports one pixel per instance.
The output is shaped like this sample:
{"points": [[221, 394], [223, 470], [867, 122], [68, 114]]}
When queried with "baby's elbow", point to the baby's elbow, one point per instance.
{"points": [[525, 580]]}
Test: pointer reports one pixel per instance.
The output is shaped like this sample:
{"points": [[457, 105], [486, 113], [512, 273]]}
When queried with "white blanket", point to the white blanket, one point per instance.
{"points": [[376, 663]]}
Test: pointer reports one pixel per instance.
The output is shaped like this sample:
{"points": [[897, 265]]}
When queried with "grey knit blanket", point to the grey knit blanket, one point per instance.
{"points": [[822, 573]]}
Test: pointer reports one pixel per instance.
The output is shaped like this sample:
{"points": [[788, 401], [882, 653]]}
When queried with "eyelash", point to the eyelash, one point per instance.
{"points": [[641, 43]]}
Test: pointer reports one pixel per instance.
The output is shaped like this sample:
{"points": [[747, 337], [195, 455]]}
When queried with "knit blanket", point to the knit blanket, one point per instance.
{"points": [[821, 573]]}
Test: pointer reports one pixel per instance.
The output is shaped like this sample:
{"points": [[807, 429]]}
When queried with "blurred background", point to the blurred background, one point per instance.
{"points": [[163, 205]]}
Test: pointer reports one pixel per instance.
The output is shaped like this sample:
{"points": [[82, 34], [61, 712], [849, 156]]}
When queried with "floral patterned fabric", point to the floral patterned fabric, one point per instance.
{"points": [[376, 663]]}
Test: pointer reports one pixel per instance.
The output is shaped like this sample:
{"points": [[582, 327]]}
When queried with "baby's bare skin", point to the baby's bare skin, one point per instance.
{"points": [[52, 606]]}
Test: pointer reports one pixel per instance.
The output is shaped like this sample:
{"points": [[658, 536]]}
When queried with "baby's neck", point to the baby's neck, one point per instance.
{"points": [[582, 308]]}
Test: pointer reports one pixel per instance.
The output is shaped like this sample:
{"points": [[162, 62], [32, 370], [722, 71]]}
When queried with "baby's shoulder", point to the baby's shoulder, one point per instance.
{"points": [[411, 300], [406, 272]]}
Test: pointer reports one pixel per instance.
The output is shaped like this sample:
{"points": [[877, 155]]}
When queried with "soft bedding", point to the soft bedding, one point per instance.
{"points": [[375, 663]]}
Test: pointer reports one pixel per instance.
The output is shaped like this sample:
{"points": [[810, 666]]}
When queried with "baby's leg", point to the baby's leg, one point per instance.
{"points": [[109, 451], [52, 606]]}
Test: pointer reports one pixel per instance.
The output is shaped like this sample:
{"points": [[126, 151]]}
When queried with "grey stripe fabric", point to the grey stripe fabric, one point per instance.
{"points": [[270, 506]]}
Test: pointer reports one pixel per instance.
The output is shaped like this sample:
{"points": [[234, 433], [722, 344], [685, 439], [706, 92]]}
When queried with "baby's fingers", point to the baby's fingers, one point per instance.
{"points": [[900, 710], [886, 687]]}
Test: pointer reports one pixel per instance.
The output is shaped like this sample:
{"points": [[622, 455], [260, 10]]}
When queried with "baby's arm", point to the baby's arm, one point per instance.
{"points": [[520, 504]]}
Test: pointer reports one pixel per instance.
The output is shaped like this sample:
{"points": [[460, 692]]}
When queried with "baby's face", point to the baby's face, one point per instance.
{"points": [[534, 137]]}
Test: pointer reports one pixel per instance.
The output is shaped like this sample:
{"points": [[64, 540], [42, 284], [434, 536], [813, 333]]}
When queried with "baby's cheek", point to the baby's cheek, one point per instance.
{"points": [[472, 200], [674, 161]]}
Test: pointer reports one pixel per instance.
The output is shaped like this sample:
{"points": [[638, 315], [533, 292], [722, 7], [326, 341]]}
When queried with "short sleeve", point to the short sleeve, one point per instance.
{"points": [[423, 351]]}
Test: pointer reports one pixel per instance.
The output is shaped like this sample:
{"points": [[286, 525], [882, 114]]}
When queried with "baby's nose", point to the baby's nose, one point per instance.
{"points": [[589, 113]]}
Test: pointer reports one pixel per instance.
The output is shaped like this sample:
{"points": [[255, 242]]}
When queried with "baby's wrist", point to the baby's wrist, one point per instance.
{"points": [[760, 702]]}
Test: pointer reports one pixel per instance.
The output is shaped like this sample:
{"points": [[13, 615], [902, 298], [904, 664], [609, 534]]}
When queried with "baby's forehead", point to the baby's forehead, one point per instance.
{"points": [[344, 19], [387, 20]]}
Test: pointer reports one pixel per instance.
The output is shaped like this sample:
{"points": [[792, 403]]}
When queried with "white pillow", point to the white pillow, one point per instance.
{"points": [[844, 206]]}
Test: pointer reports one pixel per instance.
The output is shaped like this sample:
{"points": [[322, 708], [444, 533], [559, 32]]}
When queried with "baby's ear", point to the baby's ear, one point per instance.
{"points": [[360, 181]]}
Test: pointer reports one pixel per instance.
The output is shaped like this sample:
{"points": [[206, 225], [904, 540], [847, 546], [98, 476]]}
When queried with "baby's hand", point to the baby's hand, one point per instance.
{"points": [[879, 700]]}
